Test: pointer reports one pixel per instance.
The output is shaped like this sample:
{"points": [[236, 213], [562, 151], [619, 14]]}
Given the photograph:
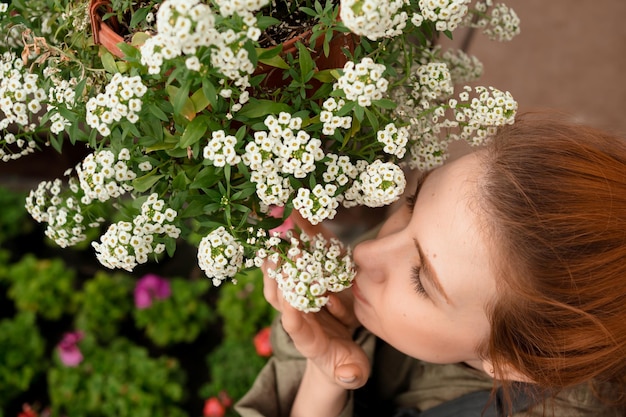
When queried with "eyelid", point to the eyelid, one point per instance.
{"points": [[410, 201], [417, 281]]}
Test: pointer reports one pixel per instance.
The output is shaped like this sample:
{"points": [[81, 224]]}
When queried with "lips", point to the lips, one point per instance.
{"points": [[357, 293]]}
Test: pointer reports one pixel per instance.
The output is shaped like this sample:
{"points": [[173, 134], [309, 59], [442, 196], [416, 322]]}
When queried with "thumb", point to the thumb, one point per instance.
{"points": [[352, 375]]}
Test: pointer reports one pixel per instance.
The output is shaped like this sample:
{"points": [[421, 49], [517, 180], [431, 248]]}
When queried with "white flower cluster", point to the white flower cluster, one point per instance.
{"points": [[463, 68], [501, 24], [314, 267], [102, 175], [182, 26], [431, 82], [446, 14], [61, 93], [481, 115], [339, 170], [20, 98], [284, 149], [221, 149], [428, 153], [64, 217], [240, 7], [126, 244], [331, 121], [317, 204], [379, 184], [121, 99], [374, 19], [362, 82], [4, 7], [394, 138], [220, 255]]}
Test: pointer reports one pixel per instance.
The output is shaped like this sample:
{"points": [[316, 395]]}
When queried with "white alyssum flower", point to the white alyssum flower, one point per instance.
{"points": [[330, 118], [362, 82], [182, 27], [374, 19], [21, 99], [221, 149], [103, 175], [431, 82], [66, 222], [240, 7], [480, 116], [314, 267], [127, 244], [121, 99], [220, 255], [500, 24], [394, 138], [446, 14], [379, 184], [282, 151], [317, 204]]}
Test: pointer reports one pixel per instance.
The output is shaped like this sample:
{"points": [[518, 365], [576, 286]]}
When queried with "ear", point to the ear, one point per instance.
{"points": [[509, 373]]}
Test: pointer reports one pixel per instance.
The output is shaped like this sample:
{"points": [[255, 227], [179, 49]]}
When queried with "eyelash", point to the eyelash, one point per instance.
{"points": [[410, 201], [417, 281]]}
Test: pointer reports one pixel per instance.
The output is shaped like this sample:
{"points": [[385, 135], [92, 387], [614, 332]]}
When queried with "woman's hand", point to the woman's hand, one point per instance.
{"points": [[324, 338]]}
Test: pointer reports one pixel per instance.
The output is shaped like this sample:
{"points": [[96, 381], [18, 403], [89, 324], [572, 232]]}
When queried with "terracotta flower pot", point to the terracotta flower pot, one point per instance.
{"points": [[104, 33]]}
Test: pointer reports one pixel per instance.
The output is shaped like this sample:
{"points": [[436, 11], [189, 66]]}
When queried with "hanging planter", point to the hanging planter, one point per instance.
{"points": [[105, 33]]}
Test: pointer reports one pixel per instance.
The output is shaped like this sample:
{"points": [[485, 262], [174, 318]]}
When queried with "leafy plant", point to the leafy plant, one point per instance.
{"points": [[44, 286], [179, 317], [22, 351], [119, 379], [105, 302]]}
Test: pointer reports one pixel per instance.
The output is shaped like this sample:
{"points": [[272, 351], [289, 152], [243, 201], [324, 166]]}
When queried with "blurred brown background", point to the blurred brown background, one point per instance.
{"points": [[570, 56]]}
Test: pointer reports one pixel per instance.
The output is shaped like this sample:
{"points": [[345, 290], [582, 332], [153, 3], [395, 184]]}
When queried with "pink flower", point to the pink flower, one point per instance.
{"points": [[213, 408], [148, 288], [262, 342], [277, 212], [68, 350], [225, 399]]}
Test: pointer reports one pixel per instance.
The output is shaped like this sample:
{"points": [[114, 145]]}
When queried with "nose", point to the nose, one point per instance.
{"points": [[374, 258]]}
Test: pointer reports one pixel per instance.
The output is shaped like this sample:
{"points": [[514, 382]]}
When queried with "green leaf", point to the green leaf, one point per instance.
{"points": [[200, 100], [272, 58], [194, 131], [305, 60], [209, 91], [138, 16], [259, 108], [108, 63], [146, 182], [385, 103]]}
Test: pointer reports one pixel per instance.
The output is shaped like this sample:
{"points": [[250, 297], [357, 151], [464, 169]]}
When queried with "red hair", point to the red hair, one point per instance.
{"points": [[554, 201]]}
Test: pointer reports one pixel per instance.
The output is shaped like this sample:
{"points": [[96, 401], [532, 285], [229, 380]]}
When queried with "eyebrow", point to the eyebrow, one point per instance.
{"points": [[428, 271]]}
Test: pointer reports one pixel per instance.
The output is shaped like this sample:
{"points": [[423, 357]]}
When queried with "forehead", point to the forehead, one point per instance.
{"points": [[447, 224]]}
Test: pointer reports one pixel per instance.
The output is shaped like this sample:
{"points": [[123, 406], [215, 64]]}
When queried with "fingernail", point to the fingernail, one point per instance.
{"points": [[347, 380]]}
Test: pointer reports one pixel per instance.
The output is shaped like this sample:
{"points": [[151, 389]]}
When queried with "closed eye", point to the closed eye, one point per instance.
{"points": [[417, 281]]}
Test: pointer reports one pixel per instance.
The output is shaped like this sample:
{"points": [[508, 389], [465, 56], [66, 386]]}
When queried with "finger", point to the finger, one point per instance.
{"points": [[353, 375], [341, 311], [301, 327], [308, 228], [270, 286]]}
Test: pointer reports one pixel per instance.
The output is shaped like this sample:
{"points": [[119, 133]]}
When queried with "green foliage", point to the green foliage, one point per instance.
{"points": [[227, 370], [244, 311], [104, 302], [243, 308], [43, 286], [179, 318], [21, 350], [13, 216], [120, 380]]}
